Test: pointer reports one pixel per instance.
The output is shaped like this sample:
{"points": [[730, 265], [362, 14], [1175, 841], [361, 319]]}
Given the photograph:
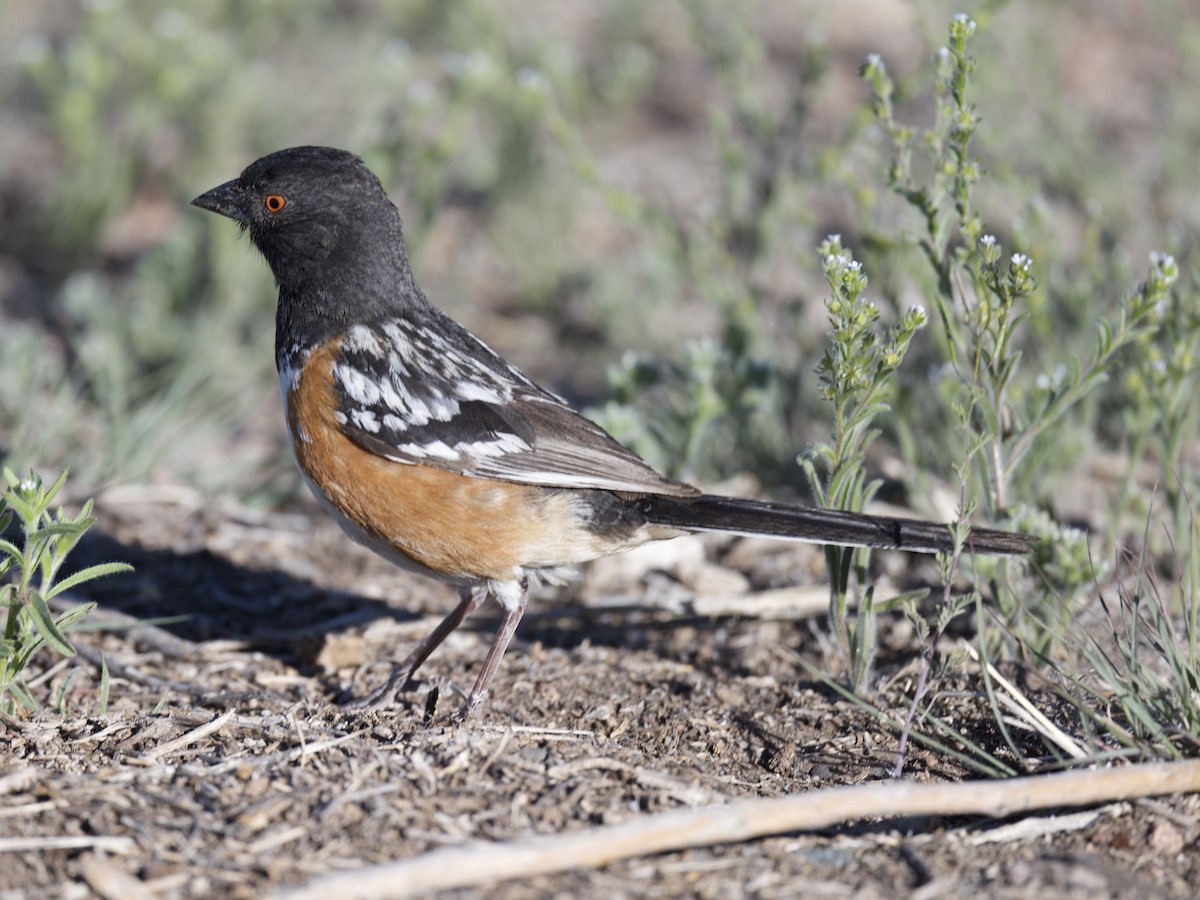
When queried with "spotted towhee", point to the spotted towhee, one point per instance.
{"points": [[430, 449]]}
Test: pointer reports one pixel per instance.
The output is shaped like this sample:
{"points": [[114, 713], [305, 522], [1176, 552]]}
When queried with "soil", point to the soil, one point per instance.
{"points": [[620, 698]]}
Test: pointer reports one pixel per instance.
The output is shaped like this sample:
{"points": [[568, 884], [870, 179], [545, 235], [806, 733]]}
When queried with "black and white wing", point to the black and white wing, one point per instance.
{"points": [[422, 389]]}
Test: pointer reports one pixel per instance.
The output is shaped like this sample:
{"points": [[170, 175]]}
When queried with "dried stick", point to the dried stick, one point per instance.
{"points": [[478, 864]]}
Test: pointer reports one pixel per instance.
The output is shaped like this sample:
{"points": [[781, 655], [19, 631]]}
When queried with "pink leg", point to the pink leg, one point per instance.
{"points": [[470, 598], [512, 597]]}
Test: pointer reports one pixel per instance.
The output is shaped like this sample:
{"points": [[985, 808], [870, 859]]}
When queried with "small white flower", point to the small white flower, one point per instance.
{"points": [[28, 486], [988, 240]]}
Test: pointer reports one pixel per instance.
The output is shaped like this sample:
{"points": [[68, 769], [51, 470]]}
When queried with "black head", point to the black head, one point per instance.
{"points": [[321, 218]]}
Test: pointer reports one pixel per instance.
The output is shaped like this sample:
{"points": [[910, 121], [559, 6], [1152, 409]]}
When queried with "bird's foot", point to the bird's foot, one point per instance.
{"points": [[401, 682]]}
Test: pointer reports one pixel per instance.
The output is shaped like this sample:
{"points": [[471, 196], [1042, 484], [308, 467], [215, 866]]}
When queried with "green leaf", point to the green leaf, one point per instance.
{"points": [[22, 695], [73, 615], [84, 575], [56, 528], [70, 537], [107, 626], [28, 645], [11, 550], [21, 507], [43, 620]]}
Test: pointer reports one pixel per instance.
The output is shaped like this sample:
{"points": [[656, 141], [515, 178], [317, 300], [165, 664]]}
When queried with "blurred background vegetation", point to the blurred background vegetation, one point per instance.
{"points": [[625, 198]]}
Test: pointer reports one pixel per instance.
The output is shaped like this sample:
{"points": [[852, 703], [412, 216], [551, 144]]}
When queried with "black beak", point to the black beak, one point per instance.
{"points": [[226, 199]]}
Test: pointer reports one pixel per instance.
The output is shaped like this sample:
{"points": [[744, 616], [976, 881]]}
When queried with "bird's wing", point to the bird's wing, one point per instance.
{"points": [[422, 389]]}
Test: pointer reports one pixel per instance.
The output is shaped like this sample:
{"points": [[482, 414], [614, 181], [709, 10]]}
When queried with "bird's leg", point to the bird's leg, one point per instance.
{"points": [[512, 597], [401, 676]]}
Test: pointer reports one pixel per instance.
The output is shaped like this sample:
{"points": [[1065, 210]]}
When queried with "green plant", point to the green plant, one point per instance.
{"points": [[856, 376], [32, 570], [1134, 681], [1001, 412], [982, 298], [1141, 696], [1159, 408]]}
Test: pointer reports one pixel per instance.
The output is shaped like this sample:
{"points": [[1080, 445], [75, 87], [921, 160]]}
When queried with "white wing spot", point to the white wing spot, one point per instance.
{"points": [[365, 419], [503, 444], [440, 449], [360, 337], [474, 390], [358, 386], [443, 408]]}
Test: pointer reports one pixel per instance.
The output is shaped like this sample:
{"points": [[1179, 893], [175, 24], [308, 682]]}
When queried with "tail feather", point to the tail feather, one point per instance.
{"points": [[823, 526]]}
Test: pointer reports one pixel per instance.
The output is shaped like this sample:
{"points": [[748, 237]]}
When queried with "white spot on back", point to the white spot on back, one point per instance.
{"points": [[362, 338], [358, 386], [365, 419]]}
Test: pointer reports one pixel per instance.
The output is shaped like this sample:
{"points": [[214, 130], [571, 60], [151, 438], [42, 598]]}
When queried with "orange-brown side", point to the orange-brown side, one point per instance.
{"points": [[459, 527]]}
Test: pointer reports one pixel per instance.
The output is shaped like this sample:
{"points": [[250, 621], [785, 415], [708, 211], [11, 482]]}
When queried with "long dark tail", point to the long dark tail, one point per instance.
{"points": [[823, 526]]}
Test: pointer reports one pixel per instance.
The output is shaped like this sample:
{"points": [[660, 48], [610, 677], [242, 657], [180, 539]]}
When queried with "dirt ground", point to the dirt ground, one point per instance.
{"points": [[666, 680]]}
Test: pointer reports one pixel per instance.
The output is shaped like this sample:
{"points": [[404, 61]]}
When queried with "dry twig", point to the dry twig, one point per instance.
{"points": [[487, 864]]}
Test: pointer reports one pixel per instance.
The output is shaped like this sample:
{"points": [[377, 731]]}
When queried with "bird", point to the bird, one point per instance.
{"points": [[429, 448]]}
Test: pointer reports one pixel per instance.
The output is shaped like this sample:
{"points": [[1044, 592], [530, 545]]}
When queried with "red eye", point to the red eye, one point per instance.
{"points": [[274, 203]]}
